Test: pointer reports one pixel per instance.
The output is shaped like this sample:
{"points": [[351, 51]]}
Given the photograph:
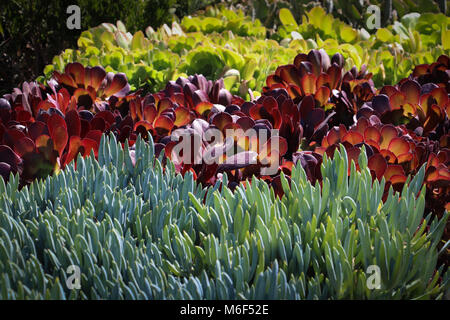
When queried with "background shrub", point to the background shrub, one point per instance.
{"points": [[352, 12], [32, 32]]}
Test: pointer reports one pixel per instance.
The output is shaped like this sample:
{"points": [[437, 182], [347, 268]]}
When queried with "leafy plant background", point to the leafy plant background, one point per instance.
{"points": [[32, 32]]}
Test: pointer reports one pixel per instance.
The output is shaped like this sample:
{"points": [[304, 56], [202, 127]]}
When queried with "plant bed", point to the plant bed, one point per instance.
{"points": [[141, 231]]}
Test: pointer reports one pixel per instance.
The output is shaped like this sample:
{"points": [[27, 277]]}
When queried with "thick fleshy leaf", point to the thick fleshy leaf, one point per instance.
{"points": [[278, 187], [273, 79], [323, 80], [145, 124], [118, 83], [7, 155], [94, 135], [84, 97], [149, 113], [57, 129], [332, 137], [388, 155], [411, 89], [199, 96], [269, 103], [353, 154], [163, 125], [94, 77], [73, 123], [290, 75], [11, 136], [98, 123], [405, 157], [388, 132], [42, 141], [306, 106], [23, 146], [164, 104], [203, 108], [441, 96], [397, 180], [372, 133], [299, 59], [76, 71], [315, 57], [380, 103], [353, 137], [433, 119], [74, 146], [322, 95], [378, 164], [397, 100], [78, 145], [393, 170], [275, 143], [107, 116], [65, 79], [335, 74], [37, 129], [182, 116], [293, 90], [361, 125], [5, 170], [398, 146], [245, 123], [220, 120], [308, 84]]}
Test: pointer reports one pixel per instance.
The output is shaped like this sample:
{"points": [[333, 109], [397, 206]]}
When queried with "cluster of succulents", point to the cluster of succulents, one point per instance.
{"points": [[138, 230], [344, 145], [314, 105], [224, 43], [43, 128]]}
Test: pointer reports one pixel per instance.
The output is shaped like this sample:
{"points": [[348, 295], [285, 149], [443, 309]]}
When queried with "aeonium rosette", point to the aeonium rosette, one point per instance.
{"points": [[229, 144], [46, 127]]}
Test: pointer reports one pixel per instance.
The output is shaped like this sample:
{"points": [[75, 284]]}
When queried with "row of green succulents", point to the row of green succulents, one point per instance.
{"points": [[224, 43], [355, 13], [137, 230], [238, 51], [389, 53]]}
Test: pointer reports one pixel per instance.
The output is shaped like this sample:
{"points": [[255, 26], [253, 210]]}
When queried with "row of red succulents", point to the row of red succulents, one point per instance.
{"points": [[313, 103], [402, 127], [43, 128]]}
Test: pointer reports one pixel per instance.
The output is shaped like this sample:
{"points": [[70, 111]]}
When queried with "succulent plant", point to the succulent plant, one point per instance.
{"points": [[138, 230], [43, 128]]}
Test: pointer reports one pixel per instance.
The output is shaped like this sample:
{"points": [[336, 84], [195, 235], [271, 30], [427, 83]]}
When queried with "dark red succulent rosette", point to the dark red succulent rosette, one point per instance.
{"points": [[46, 127], [324, 79]]}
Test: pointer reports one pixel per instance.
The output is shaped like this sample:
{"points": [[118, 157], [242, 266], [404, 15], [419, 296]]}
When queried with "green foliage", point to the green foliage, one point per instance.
{"points": [[390, 53], [169, 52], [219, 19], [352, 12], [138, 231], [226, 43], [32, 32]]}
